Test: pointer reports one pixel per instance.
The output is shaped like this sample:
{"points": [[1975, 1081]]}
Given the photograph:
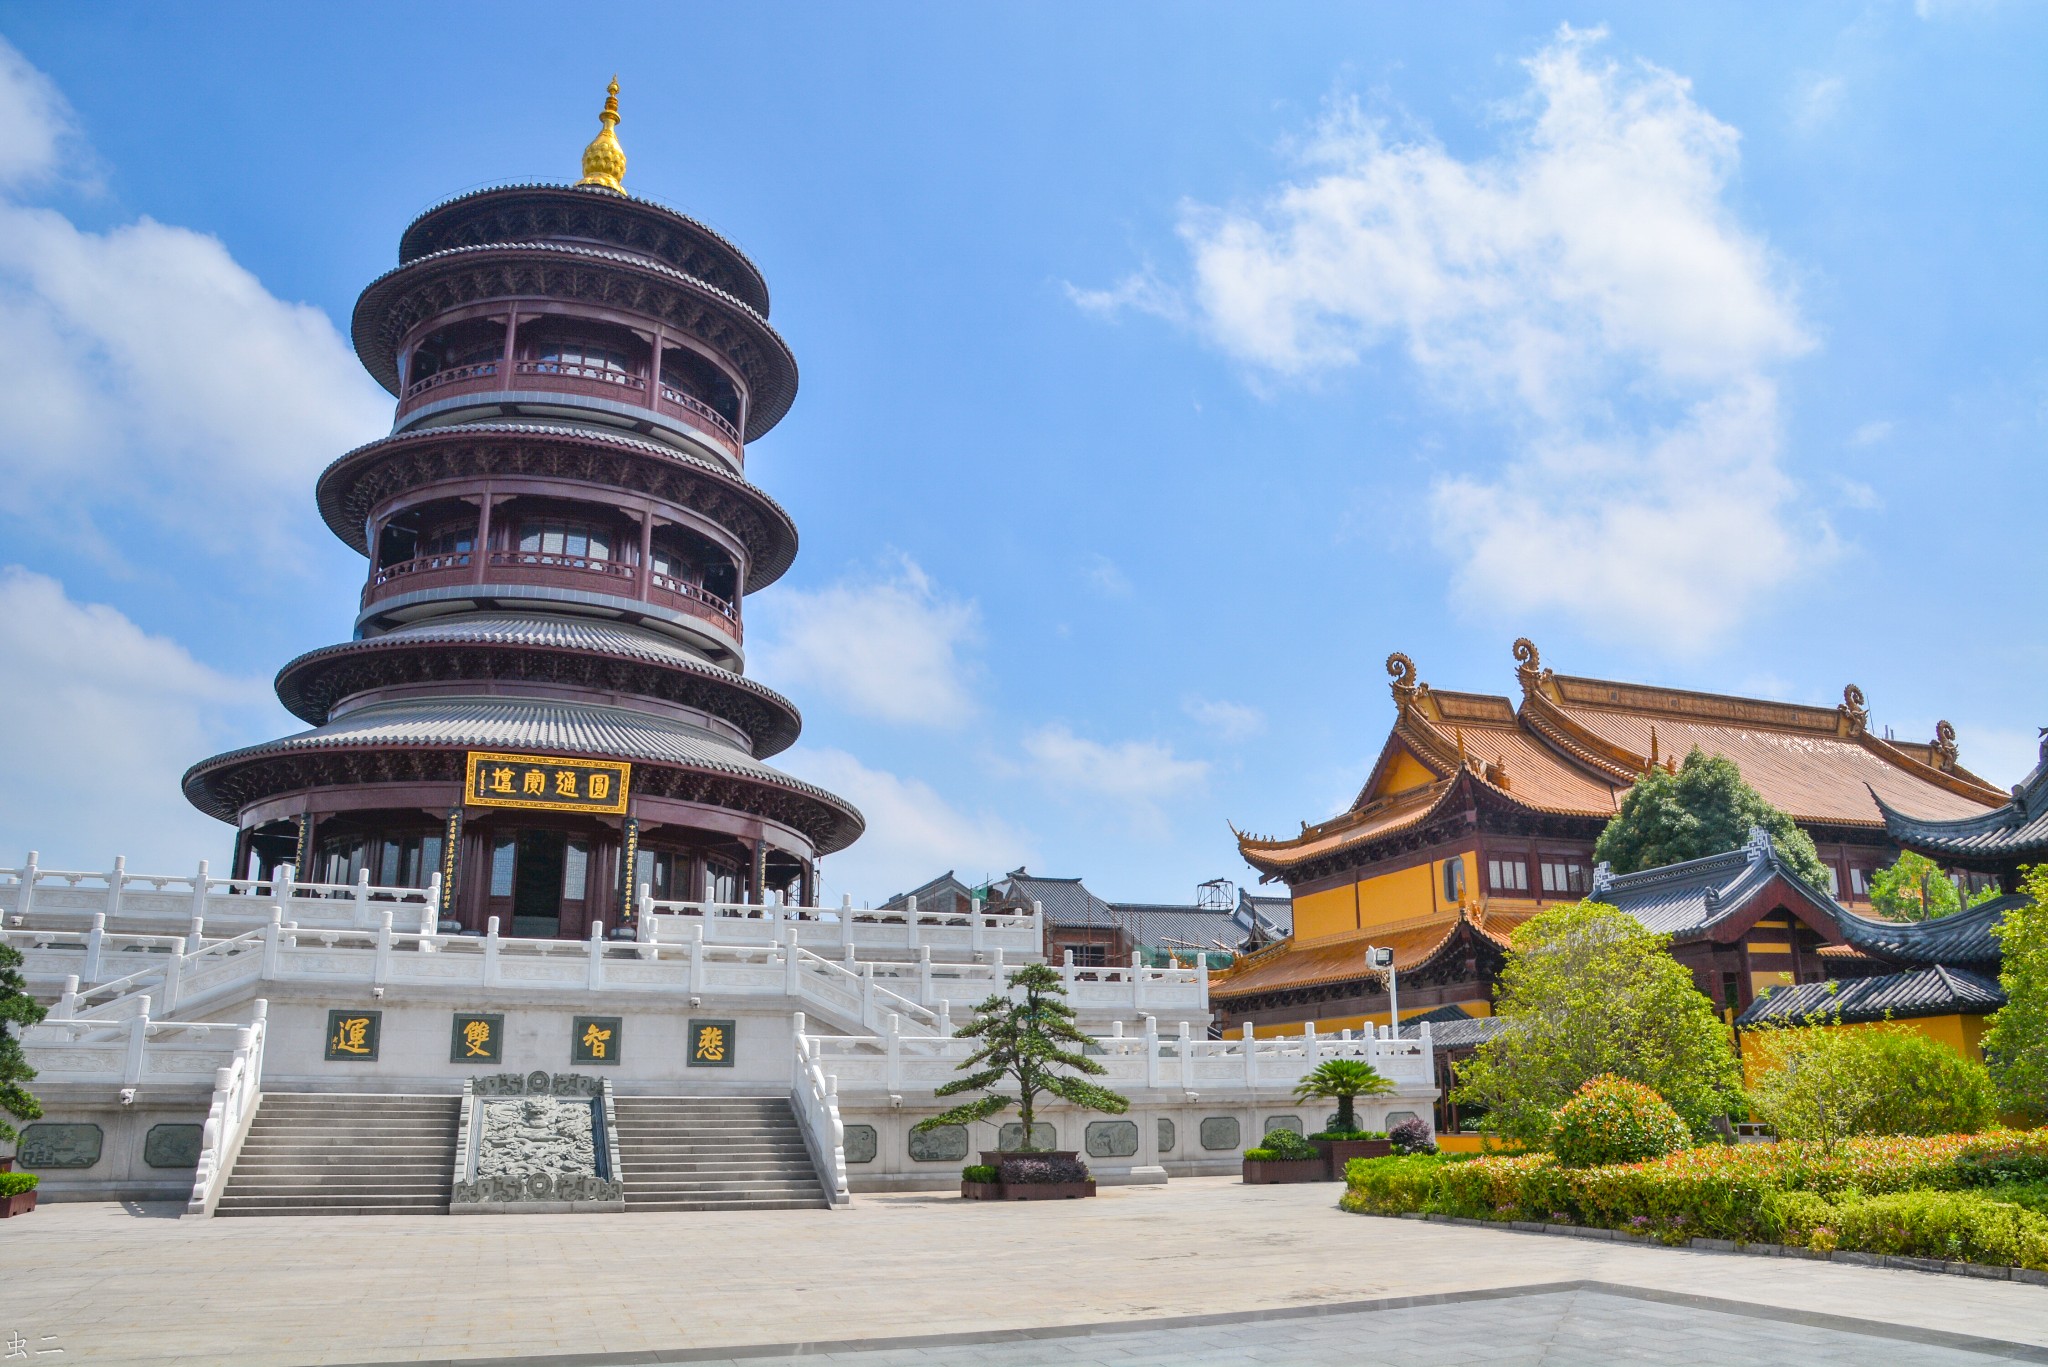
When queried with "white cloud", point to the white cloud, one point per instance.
{"points": [[1870, 433], [100, 723], [913, 834], [1131, 777], [1816, 99], [887, 647], [1592, 288], [1230, 721], [1858, 495], [1105, 576], [143, 368]]}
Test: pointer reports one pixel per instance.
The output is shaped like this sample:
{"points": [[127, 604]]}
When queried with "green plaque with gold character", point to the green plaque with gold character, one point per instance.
{"points": [[353, 1035], [711, 1044], [478, 1038], [595, 1039]]}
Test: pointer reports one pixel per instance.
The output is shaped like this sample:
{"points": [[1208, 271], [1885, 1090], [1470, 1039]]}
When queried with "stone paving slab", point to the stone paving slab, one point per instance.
{"points": [[119, 1284]]}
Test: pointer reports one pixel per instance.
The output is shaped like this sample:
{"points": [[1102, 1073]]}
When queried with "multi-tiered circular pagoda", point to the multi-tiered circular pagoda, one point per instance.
{"points": [[544, 698]]}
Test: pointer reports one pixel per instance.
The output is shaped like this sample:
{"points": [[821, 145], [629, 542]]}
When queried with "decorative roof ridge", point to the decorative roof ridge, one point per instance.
{"points": [[1958, 781], [2011, 814], [1249, 845], [1638, 698], [638, 201], [1562, 732]]}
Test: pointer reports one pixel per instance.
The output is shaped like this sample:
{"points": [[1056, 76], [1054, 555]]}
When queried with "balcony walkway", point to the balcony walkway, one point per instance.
{"points": [[118, 1284]]}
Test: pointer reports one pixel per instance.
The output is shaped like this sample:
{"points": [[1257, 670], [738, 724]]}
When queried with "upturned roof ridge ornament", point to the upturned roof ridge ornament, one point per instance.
{"points": [[1529, 665], [1401, 670], [1853, 711], [604, 161], [1945, 750]]}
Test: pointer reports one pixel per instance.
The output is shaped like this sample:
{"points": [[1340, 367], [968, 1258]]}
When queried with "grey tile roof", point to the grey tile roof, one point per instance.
{"points": [[1691, 897], [1276, 912], [1453, 1029], [940, 891], [1963, 938], [2016, 830], [548, 726], [1936, 991], [1065, 901], [1167, 925]]}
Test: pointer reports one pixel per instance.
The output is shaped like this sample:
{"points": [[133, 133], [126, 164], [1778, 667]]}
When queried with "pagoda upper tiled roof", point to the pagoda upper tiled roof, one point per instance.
{"points": [[1575, 746], [2014, 832]]}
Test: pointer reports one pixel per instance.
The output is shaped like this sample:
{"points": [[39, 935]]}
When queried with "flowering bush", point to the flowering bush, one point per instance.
{"points": [[1026, 1172], [1756, 1193], [1613, 1120], [1411, 1136]]}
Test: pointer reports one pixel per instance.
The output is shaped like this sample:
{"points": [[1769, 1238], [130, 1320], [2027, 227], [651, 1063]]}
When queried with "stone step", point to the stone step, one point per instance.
{"points": [[334, 1154], [634, 1205], [695, 1153]]}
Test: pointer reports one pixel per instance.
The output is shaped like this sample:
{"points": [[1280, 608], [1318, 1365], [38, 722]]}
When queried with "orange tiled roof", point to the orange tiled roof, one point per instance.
{"points": [[1576, 745], [1414, 944]]}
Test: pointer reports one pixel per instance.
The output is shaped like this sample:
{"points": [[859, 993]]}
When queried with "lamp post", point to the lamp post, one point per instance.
{"points": [[1382, 959]]}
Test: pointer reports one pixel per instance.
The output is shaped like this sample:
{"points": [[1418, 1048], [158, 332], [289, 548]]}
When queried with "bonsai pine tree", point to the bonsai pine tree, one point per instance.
{"points": [[1342, 1080], [1022, 1041], [19, 1011], [1704, 808]]}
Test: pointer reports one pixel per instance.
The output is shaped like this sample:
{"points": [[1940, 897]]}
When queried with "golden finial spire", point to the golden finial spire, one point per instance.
{"points": [[604, 161]]}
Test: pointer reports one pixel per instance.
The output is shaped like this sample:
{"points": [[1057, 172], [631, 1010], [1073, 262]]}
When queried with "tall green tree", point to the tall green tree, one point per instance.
{"points": [[18, 1011], [2016, 1045], [1586, 992], [1023, 1041], [1823, 1081], [1704, 808], [1913, 888]]}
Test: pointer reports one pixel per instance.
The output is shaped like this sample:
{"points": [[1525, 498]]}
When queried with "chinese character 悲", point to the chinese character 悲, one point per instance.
{"points": [[711, 1044], [565, 783], [600, 787], [594, 1039], [536, 781], [476, 1038], [352, 1035], [501, 780]]}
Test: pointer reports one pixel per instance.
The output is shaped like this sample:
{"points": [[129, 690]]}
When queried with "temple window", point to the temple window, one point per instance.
{"points": [[657, 871], [1563, 876], [477, 344], [1834, 881], [687, 558], [503, 853], [685, 372], [1454, 879], [1507, 875], [571, 540], [721, 881], [586, 356], [1859, 883]]}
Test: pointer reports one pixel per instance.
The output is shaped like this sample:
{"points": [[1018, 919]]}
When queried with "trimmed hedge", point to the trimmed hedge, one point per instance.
{"points": [[981, 1172], [15, 1183], [1753, 1193], [1284, 1146]]}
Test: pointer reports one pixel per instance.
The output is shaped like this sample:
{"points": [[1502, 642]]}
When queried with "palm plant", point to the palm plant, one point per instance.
{"points": [[1342, 1080]]}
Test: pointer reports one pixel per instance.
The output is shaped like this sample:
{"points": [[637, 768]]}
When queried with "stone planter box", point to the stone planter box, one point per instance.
{"points": [[994, 1157], [1338, 1152], [21, 1203], [981, 1191], [1269, 1171], [1047, 1191]]}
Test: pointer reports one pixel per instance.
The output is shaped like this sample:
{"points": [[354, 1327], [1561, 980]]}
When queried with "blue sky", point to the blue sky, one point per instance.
{"points": [[1164, 368]]}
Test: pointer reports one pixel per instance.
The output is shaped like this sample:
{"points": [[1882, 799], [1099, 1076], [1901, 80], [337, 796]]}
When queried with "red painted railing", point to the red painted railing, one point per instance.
{"points": [[454, 373]]}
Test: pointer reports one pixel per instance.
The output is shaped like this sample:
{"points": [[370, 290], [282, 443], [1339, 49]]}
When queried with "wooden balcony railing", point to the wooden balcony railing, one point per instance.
{"points": [[566, 370], [697, 594], [453, 374], [428, 571], [697, 408]]}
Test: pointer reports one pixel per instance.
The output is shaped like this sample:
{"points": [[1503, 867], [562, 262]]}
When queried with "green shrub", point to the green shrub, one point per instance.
{"points": [[1828, 1084], [1394, 1185], [1993, 1162], [1613, 1120], [1283, 1146], [979, 1172], [1961, 1226], [15, 1183], [2026, 1195], [1347, 1135]]}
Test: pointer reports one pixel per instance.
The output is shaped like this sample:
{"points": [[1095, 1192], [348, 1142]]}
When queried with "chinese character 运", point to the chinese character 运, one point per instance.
{"points": [[476, 1039], [565, 783], [352, 1035], [711, 1044], [600, 787], [501, 780], [595, 1039], [536, 781]]}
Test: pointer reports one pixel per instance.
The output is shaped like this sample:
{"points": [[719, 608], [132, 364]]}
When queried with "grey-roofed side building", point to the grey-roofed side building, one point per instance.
{"points": [[1454, 1037], [1075, 918], [1997, 842], [1264, 920], [1164, 931], [946, 893], [1919, 993]]}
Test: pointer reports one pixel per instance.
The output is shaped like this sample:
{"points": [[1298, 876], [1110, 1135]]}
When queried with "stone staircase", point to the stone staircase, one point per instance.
{"points": [[714, 1153], [332, 1154]]}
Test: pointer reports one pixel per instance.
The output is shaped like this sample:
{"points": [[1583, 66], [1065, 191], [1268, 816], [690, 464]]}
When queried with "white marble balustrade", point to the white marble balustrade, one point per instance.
{"points": [[900, 932], [140, 903]]}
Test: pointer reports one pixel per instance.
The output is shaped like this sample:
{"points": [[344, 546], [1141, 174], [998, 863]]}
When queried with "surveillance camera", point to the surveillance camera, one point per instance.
{"points": [[377, 992], [696, 1001], [127, 1096], [895, 1102]]}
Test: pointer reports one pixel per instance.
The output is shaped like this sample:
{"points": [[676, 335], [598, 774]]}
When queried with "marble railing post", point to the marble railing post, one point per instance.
{"points": [[595, 979], [362, 899], [199, 891], [94, 938], [1251, 1058], [114, 882], [28, 887], [697, 958], [1151, 1051], [138, 1036], [491, 952]]}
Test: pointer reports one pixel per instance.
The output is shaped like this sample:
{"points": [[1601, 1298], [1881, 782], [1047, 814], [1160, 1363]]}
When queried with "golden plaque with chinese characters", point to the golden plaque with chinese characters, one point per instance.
{"points": [[548, 784]]}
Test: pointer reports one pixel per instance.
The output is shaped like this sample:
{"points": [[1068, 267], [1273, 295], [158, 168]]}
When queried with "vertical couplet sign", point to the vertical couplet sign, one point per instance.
{"points": [[302, 852], [451, 841], [629, 855]]}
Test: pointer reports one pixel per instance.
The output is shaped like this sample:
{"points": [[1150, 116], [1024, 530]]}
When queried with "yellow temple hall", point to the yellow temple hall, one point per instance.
{"points": [[1482, 809]]}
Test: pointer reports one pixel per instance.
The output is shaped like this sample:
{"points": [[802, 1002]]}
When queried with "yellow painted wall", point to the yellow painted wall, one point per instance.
{"points": [[1402, 895], [1475, 1143], [1406, 772], [1399, 896], [1964, 1034]]}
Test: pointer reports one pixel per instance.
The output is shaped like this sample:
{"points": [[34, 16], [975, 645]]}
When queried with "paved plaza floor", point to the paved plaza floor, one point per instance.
{"points": [[1199, 1271]]}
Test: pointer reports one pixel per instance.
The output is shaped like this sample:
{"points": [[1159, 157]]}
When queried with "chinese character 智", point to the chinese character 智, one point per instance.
{"points": [[595, 1039], [711, 1044]]}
